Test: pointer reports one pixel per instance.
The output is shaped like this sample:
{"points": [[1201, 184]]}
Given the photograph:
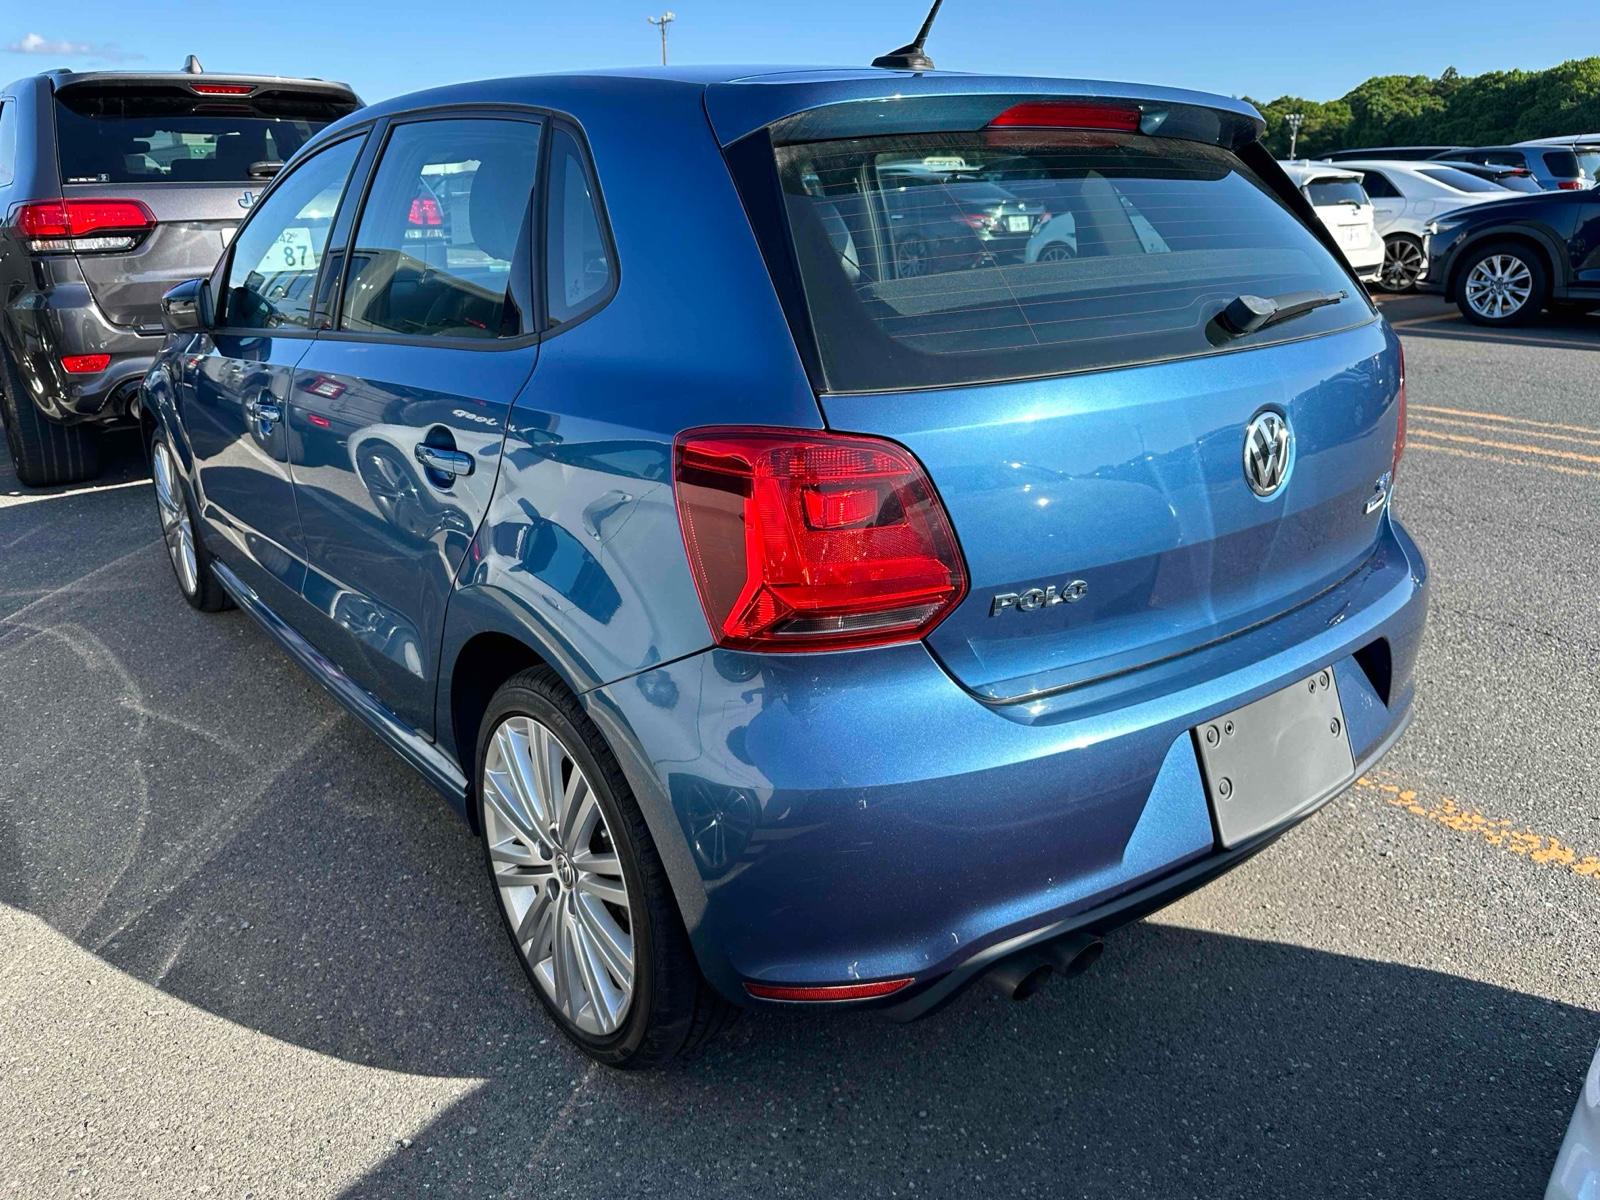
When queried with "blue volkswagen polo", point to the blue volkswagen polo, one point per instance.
{"points": [[834, 534]]}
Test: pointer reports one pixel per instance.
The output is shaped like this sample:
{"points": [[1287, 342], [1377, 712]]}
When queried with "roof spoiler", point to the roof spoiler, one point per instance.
{"points": [[895, 103], [202, 83]]}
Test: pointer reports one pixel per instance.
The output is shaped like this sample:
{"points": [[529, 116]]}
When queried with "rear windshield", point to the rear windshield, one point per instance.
{"points": [[1326, 192], [1018, 255], [1573, 164], [133, 135], [1459, 180]]}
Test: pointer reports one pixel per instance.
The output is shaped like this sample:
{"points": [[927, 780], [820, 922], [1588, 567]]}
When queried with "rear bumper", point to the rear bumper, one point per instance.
{"points": [[43, 326], [860, 816]]}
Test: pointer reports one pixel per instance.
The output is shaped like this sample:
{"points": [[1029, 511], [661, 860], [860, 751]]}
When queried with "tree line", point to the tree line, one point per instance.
{"points": [[1494, 108]]}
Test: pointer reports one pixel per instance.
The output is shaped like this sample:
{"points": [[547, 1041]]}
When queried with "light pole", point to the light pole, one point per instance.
{"points": [[1295, 121], [661, 22]]}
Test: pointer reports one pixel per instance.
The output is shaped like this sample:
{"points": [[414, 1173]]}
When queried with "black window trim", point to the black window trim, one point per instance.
{"points": [[224, 267], [602, 214]]}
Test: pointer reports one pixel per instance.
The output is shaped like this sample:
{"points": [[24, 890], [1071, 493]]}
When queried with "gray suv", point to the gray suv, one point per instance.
{"points": [[113, 187]]}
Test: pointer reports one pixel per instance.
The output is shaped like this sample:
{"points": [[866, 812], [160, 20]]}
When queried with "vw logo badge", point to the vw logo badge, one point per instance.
{"points": [[1267, 443]]}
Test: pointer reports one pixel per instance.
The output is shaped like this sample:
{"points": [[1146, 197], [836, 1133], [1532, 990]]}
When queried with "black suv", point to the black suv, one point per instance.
{"points": [[113, 187], [1503, 263]]}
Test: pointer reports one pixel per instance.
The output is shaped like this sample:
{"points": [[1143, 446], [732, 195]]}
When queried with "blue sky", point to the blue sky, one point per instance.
{"points": [[1313, 48]]}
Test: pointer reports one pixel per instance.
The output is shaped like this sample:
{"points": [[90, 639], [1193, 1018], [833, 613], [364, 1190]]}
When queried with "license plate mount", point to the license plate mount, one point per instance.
{"points": [[1271, 759]]}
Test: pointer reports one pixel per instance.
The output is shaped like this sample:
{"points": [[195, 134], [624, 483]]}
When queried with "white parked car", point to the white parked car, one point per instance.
{"points": [[1405, 197], [1577, 1173], [1346, 209]]}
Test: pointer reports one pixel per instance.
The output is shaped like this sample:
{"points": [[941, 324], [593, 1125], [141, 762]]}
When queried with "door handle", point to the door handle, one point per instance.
{"points": [[265, 413], [444, 461]]}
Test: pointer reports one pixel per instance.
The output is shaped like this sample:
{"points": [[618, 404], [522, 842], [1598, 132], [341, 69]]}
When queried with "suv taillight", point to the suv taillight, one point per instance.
{"points": [[813, 541], [82, 226]]}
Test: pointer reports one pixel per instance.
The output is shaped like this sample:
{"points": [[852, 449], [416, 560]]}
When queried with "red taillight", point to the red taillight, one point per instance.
{"points": [[79, 218], [85, 364], [840, 991], [425, 211], [222, 89], [978, 221], [813, 541], [1571, 185], [1400, 427], [82, 226], [1067, 114]]}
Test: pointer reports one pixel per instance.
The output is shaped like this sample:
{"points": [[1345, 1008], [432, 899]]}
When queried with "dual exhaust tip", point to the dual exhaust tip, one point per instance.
{"points": [[1022, 974]]}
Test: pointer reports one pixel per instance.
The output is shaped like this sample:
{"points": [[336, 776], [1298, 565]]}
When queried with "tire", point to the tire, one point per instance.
{"points": [[181, 531], [541, 888], [1403, 264], [1057, 252], [43, 452], [1503, 284]]}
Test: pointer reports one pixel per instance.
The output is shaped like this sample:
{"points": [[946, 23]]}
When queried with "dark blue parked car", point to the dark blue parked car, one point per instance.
{"points": [[1504, 263], [799, 619]]}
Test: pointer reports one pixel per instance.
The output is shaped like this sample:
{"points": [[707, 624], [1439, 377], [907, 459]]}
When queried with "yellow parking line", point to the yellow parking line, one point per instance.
{"points": [[1413, 443], [1472, 423], [1501, 417], [1518, 447], [1503, 833]]}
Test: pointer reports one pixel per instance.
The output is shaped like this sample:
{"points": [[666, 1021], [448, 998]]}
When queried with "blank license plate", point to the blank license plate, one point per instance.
{"points": [[1265, 762], [1019, 224]]}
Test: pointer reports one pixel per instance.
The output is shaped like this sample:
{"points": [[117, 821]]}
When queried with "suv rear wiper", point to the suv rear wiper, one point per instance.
{"points": [[1250, 314]]}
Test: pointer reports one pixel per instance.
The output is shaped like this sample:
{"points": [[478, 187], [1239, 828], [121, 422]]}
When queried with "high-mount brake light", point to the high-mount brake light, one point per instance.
{"points": [[803, 540], [1068, 114], [222, 89], [82, 226], [1571, 185]]}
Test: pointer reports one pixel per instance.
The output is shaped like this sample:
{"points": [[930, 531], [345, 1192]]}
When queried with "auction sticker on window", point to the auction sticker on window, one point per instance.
{"points": [[294, 251]]}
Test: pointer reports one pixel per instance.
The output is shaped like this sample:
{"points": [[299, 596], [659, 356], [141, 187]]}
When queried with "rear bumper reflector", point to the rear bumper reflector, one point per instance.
{"points": [[827, 992]]}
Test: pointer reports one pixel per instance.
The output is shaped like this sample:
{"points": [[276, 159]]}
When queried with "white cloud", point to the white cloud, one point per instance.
{"points": [[33, 43]]}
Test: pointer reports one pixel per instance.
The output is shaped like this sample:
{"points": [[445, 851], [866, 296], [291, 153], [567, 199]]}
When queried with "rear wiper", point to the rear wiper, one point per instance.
{"points": [[1251, 314]]}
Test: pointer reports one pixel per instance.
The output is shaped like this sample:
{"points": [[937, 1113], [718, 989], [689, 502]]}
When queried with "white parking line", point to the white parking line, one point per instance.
{"points": [[18, 499]]}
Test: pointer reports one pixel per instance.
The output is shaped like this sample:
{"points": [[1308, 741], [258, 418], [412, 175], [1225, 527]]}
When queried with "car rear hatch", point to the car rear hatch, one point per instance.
{"points": [[194, 150], [1343, 205], [1088, 422]]}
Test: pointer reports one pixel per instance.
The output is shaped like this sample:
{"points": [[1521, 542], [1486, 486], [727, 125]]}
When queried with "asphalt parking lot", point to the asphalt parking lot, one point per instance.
{"points": [[244, 952]]}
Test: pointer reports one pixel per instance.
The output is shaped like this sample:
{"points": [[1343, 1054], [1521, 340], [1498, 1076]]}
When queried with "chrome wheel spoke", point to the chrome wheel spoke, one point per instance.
{"points": [[610, 890], [522, 778], [613, 944]]}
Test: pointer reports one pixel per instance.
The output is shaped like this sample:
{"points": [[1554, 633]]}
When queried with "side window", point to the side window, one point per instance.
{"points": [[1378, 186], [443, 219], [579, 273], [275, 256], [8, 141]]}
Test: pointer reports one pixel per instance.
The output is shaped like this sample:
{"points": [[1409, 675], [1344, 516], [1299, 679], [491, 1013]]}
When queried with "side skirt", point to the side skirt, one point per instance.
{"points": [[431, 762]]}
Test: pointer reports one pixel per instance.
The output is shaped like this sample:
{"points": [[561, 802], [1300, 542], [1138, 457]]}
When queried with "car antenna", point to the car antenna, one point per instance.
{"points": [[911, 57], [191, 66]]}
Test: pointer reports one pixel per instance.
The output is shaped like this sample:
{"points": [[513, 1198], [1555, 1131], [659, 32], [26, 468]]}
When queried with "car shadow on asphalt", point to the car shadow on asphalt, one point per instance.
{"points": [[251, 851]]}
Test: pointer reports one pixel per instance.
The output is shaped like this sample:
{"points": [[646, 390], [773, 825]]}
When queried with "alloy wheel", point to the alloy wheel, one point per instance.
{"points": [[176, 529], [1057, 252], [558, 875], [1403, 264], [1498, 286], [911, 258]]}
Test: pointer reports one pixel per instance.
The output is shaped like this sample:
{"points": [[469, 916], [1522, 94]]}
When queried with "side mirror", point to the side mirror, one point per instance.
{"points": [[187, 307]]}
